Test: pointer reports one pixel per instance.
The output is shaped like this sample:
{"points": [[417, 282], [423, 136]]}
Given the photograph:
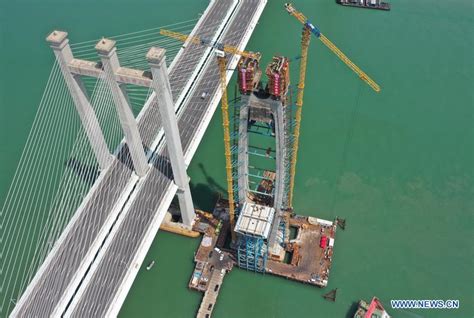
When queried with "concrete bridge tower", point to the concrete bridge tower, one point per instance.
{"points": [[60, 44], [262, 190]]}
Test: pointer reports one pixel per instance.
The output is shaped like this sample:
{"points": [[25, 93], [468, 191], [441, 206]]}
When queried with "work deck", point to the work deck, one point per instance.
{"points": [[308, 256], [212, 263], [308, 261]]}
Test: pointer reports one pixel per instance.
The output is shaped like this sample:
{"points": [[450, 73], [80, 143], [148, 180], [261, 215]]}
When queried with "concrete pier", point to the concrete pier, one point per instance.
{"points": [[107, 52], [60, 44], [161, 85]]}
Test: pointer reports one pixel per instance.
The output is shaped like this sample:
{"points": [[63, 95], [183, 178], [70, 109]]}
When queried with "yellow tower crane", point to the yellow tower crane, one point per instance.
{"points": [[221, 49], [309, 28]]}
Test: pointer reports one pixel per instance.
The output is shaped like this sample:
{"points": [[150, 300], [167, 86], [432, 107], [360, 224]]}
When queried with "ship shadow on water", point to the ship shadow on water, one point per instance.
{"points": [[350, 313]]}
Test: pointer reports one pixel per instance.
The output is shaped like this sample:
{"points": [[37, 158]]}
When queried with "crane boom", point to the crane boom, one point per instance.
{"points": [[315, 30], [202, 41]]}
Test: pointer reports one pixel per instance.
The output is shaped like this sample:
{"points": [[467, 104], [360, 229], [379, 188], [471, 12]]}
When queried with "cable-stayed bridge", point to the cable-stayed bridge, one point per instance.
{"points": [[103, 162]]}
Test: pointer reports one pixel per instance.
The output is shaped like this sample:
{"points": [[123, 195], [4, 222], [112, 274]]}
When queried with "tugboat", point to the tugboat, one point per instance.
{"points": [[372, 310], [369, 4]]}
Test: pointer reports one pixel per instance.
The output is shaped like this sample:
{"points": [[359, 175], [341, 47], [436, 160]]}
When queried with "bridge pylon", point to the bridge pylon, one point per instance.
{"points": [[60, 44], [108, 55], [161, 86]]}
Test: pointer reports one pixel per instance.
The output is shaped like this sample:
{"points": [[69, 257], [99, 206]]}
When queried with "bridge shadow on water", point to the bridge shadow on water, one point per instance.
{"points": [[204, 197], [163, 164], [124, 156], [88, 173]]}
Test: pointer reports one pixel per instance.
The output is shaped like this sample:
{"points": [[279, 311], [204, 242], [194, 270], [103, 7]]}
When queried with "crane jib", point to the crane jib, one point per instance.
{"points": [[314, 29]]}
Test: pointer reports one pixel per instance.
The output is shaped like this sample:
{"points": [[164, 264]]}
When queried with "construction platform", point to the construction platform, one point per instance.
{"points": [[212, 262], [307, 253]]}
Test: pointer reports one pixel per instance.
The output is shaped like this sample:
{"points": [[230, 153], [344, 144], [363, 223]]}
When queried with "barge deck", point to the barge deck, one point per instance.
{"points": [[310, 253]]}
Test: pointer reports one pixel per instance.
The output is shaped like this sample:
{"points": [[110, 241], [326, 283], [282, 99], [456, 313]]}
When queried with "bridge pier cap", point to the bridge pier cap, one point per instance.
{"points": [[57, 39], [106, 47], [156, 56]]}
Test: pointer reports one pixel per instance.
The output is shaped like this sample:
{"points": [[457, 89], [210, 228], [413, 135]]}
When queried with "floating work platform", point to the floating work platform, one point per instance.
{"points": [[305, 256], [308, 255], [368, 4]]}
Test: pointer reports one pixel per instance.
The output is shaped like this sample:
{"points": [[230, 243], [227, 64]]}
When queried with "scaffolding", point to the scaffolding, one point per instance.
{"points": [[252, 253], [237, 102], [273, 118], [289, 125]]}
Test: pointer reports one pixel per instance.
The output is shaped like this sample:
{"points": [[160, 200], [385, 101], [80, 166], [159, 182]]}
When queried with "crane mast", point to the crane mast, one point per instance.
{"points": [[222, 63], [305, 39]]}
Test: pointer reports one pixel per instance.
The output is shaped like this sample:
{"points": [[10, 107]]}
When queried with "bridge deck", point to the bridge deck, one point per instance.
{"points": [[97, 297], [61, 266]]}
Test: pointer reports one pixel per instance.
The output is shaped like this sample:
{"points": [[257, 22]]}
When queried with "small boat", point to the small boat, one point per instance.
{"points": [[150, 265]]}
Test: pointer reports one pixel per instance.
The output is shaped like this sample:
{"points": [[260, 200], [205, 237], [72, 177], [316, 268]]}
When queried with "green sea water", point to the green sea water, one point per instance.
{"points": [[398, 165]]}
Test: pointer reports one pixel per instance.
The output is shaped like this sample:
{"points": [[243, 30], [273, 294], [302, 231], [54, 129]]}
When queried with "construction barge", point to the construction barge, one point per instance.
{"points": [[368, 4], [305, 256]]}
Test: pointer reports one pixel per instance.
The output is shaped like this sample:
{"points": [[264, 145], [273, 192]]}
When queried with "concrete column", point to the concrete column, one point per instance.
{"points": [[162, 88], [107, 52], [60, 45]]}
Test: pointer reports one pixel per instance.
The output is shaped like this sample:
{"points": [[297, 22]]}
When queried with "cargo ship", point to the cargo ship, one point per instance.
{"points": [[373, 310], [369, 4]]}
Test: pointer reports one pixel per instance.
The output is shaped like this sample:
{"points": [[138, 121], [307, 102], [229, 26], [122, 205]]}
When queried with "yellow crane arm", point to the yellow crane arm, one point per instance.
{"points": [[308, 25], [201, 41], [362, 75], [222, 62]]}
